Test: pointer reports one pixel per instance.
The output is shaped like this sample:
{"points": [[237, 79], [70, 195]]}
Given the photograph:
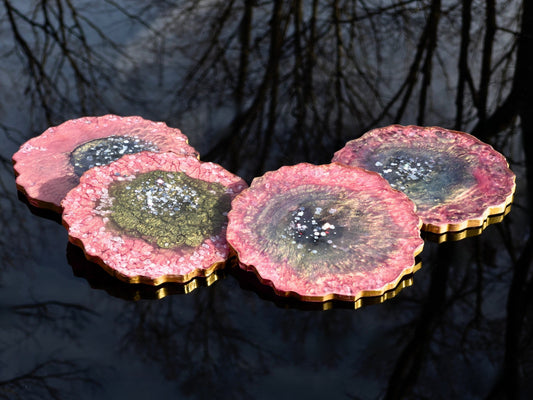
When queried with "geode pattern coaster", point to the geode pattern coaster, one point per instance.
{"points": [[49, 165], [325, 232], [98, 279], [266, 292], [455, 180], [454, 236], [153, 217]]}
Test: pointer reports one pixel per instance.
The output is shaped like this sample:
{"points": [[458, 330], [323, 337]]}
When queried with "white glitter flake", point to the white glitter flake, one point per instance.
{"points": [[305, 229]]}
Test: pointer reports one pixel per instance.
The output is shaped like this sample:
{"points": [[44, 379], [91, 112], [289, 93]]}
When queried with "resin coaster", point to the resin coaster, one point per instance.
{"points": [[248, 281], [49, 165], [325, 232], [153, 217], [98, 279], [455, 180], [465, 233]]}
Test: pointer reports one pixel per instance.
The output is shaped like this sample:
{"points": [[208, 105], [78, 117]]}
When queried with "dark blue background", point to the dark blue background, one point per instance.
{"points": [[257, 85]]}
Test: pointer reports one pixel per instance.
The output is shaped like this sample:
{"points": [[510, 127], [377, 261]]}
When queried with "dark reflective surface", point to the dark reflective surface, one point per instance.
{"points": [[256, 85]]}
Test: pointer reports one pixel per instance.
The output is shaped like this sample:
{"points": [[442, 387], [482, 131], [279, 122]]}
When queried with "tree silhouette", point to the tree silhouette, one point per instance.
{"points": [[257, 84]]}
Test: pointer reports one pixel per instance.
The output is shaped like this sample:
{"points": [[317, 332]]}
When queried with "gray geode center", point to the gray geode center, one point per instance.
{"points": [[103, 151], [310, 227], [428, 178]]}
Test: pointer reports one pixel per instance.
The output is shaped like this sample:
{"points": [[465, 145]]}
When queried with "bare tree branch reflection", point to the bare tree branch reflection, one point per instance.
{"points": [[297, 79], [405, 373], [258, 84], [55, 377], [292, 80], [193, 346], [67, 318], [56, 42], [46, 380]]}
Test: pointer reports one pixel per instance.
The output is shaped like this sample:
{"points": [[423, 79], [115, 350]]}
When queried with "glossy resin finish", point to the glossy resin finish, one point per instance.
{"points": [[325, 232], [49, 165], [455, 180], [153, 217]]}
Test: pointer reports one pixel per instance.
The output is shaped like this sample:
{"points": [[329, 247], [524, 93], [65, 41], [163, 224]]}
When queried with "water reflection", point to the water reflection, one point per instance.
{"points": [[273, 82], [211, 338], [48, 380], [52, 374], [256, 85]]}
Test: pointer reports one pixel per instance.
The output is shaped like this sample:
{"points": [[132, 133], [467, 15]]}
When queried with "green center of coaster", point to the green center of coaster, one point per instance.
{"points": [[170, 209]]}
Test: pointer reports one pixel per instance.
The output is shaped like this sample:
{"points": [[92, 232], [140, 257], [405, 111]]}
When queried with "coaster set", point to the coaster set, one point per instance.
{"points": [[135, 197]]}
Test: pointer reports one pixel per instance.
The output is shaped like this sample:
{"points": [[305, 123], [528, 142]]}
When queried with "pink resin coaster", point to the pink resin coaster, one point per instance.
{"points": [[49, 165], [325, 232], [455, 180], [153, 217]]}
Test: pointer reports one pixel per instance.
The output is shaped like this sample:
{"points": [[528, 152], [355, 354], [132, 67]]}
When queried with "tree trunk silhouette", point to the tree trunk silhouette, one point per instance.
{"points": [[508, 110], [520, 290], [433, 22], [245, 31], [409, 363], [486, 62], [466, 21]]}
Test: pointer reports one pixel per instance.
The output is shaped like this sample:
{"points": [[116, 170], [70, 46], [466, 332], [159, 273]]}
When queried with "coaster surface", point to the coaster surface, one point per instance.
{"points": [[455, 180], [153, 217], [325, 232], [49, 165]]}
